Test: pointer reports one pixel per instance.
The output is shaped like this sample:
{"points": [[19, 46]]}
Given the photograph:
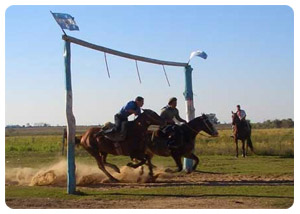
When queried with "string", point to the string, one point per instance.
{"points": [[138, 72], [106, 65], [166, 75]]}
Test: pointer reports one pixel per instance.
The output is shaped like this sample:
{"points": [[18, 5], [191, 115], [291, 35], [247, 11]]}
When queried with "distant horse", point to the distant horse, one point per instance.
{"points": [[133, 145], [241, 132], [185, 136]]}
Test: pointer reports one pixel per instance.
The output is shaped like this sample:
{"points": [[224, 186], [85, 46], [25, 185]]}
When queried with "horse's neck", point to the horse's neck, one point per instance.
{"points": [[139, 125], [194, 127]]}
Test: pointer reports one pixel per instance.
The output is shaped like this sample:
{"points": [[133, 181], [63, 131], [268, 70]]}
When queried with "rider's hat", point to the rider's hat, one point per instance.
{"points": [[172, 100]]}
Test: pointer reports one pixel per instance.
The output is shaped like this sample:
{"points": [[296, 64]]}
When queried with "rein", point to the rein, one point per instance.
{"points": [[198, 132]]}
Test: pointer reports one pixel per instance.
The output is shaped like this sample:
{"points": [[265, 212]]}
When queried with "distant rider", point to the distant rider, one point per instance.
{"points": [[241, 113], [242, 116]]}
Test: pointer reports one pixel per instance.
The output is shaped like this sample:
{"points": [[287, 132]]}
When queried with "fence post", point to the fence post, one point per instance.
{"points": [[190, 110], [71, 128]]}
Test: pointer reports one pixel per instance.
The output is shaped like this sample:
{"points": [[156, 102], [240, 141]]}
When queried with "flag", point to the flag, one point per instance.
{"points": [[65, 21], [201, 54]]}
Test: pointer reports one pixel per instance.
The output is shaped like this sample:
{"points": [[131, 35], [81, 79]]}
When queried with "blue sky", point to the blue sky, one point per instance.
{"points": [[250, 61]]}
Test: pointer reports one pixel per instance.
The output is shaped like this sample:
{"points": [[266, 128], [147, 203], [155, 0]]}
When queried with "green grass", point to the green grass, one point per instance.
{"points": [[274, 157], [285, 193], [278, 142]]}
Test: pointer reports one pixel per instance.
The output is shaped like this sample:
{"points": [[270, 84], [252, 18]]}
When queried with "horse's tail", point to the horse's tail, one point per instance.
{"points": [[77, 140], [249, 142]]}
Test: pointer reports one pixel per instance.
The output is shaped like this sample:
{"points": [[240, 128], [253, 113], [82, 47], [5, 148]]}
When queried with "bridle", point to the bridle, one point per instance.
{"points": [[207, 126]]}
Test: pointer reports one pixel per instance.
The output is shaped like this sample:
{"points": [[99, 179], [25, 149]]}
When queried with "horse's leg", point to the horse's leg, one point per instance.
{"points": [[150, 166], [178, 162], [195, 158], [246, 153], [100, 163], [150, 155], [236, 148], [142, 162], [243, 147], [114, 167]]}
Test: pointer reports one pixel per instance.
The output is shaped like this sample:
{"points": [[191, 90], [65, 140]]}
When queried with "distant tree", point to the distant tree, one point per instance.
{"points": [[213, 118], [285, 123]]}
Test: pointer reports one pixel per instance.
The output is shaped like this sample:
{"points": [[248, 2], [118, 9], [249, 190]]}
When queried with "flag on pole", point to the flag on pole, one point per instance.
{"points": [[65, 21], [201, 54]]}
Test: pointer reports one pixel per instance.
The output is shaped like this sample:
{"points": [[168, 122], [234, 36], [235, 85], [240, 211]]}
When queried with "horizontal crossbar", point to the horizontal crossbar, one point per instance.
{"points": [[121, 54]]}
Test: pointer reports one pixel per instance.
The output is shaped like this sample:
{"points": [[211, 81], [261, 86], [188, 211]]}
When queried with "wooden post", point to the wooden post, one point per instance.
{"points": [[190, 110], [71, 128], [121, 54]]}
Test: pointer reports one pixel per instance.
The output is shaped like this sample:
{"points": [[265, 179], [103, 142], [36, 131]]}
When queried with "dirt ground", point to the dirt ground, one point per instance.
{"points": [[197, 178]]}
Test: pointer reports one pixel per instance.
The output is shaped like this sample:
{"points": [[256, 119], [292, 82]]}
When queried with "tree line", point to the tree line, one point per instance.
{"points": [[284, 123]]}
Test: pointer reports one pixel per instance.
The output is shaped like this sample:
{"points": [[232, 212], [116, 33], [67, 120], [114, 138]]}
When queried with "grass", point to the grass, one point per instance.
{"points": [[278, 142], [274, 157], [182, 191], [281, 196]]}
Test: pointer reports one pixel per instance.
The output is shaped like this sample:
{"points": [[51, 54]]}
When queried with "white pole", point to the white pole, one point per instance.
{"points": [[190, 110]]}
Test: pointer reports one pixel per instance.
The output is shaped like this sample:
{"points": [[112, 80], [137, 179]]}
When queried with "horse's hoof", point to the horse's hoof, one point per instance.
{"points": [[168, 170], [130, 164], [152, 179], [114, 180]]}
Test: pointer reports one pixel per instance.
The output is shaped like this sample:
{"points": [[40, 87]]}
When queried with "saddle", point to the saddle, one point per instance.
{"points": [[109, 133], [170, 134], [116, 137]]}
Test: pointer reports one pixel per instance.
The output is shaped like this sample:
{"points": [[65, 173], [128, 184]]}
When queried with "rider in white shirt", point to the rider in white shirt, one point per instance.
{"points": [[241, 113]]}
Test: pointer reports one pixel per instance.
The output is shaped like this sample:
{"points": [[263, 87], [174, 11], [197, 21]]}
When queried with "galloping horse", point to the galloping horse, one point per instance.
{"points": [[185, 135], [133, 145], [242, 133]]}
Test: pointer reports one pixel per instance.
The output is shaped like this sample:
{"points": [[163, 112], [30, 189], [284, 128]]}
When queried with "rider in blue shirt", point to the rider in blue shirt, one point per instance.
{"points": [[132, 107], [121, 118]]}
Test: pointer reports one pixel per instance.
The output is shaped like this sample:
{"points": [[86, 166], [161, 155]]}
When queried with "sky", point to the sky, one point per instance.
{"points": [[250, 61]]}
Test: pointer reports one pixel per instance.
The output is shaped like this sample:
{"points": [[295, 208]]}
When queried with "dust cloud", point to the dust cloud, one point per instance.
{"points": [[56, 175]]}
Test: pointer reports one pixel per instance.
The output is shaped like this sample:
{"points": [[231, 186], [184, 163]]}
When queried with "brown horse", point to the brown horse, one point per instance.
{"points": [[133, 145], [185, 135], [242, 132]]}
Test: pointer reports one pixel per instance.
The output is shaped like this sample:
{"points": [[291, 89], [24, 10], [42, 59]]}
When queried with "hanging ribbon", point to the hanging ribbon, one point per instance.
{"points": [[138, 72], [106, 65], [166, 75]]}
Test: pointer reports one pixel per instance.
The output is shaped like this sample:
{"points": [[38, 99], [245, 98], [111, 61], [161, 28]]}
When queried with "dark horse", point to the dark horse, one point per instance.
{"points": [[185, 136], [133, 145], [242, 132]]}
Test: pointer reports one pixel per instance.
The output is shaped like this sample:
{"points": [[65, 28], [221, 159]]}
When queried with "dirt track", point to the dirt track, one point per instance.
{"points": [[168, 201]]}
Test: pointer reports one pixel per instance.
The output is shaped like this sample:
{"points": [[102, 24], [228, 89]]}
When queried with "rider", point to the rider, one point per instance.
{"points": [[169, 113], [121, 118], [242, 115]]}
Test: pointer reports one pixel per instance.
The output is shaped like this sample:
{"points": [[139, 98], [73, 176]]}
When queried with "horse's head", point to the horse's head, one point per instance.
{"points": [[235, 118], [208, 126], [149, 117]]}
